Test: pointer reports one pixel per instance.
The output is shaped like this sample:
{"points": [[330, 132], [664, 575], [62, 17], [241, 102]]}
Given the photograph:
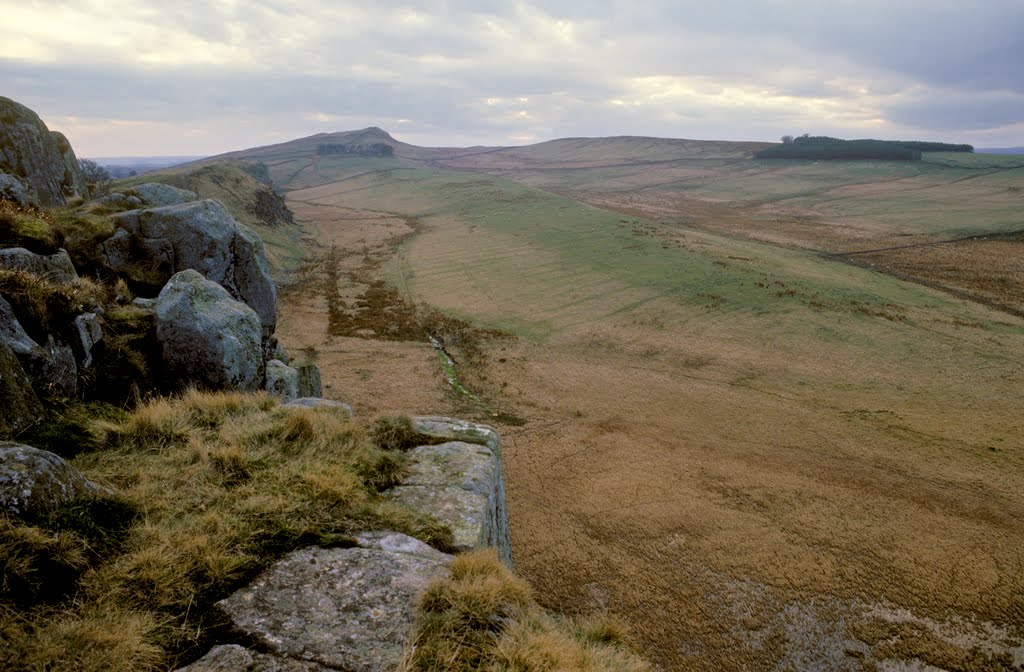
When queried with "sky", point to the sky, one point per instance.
{"points": [[188, 77]]}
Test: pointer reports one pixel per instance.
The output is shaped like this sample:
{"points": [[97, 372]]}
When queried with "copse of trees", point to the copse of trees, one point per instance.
{"points": [[823, 148]]}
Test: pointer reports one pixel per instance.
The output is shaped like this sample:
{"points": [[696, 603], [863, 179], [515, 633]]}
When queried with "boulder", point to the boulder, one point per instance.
{"points": [[54, 267], [12, 333], [206, 337], [152, 244], [53, 366], [19, 405], [29, 151], [121, 201], [309, 380], [494, 529], [235, 658], [282, 380], [343, 608], [87, 335], [158, 195], [457, 483], [317, 402], [12, 189], [34, 482]]}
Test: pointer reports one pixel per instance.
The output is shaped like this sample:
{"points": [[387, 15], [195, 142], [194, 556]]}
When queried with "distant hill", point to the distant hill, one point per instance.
{"points": [[1000, 150]]}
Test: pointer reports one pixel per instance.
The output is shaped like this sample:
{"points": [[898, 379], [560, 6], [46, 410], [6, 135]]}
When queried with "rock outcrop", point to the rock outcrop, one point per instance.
{"points": [[158, 195], [19, 405], [443, 471], [32, 154], [34, 482], [344, 608], [309, 380], [53, 267], [282, 380], [12, 189], [206, 337], [153, 244]]}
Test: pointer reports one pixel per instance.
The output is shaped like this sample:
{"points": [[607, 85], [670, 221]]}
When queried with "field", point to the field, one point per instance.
{"points": [[722, 422]]}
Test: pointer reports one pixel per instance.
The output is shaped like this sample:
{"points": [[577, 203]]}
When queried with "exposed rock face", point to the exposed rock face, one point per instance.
{"points": [[454, 496], [345, 608], [207, 337], [88, 334], [73, 175], [19, 405], [33, 481], [12, 189], [153, 244], [159, 195], [54, 366], [12, 333], [457, 483], [54, 267], [282, 380], [234, 658], [30, 152]]}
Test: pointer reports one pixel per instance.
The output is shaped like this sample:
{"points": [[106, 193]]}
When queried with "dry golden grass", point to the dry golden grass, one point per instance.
{"points": [[484, 618], [223, 485]]}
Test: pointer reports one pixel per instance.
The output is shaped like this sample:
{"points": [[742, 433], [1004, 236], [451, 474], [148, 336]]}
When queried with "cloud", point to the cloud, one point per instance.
{"points": [[232, 75]]}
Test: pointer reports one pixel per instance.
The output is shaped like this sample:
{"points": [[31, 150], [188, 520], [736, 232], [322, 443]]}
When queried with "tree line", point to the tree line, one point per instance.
{"points": [[823, 147]]}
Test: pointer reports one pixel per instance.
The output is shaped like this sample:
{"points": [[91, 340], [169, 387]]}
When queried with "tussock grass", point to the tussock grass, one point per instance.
{"points": [[484, 618], [212, 488], [45, 307], [394, 432]]}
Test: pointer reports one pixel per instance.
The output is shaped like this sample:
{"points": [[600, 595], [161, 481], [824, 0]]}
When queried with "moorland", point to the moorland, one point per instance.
{"points": [[765, 411]]}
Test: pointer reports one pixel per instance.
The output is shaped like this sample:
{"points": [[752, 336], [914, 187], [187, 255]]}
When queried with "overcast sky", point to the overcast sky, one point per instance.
{"points": [[175, 77]]}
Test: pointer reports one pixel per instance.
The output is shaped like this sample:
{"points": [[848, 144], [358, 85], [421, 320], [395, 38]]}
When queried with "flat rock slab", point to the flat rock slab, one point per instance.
{"points": [[234, 658], [343, 608], [455, 482]]}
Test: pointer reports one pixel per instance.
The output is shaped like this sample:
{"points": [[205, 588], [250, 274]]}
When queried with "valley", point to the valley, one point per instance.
{"points": [[762, 411]]}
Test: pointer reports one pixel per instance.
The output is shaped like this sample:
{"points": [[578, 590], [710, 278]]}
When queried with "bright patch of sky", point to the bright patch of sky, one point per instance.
{"points": [[188, 77]]}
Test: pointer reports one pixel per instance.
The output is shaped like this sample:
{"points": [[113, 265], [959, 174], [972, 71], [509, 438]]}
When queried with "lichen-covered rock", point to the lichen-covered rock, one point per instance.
{"points": [[345, 608], [12, 333], [31, 153], [282, 380], [88, 334], [152, 244], [54, 267], [122, 201], [34, 482], [317, 402], [19, 405], [12, 189], [74, 179], [457, 483], [158, 195], [494, 529], [234, 658], [54, 368], [309, 380], [206, 337]]}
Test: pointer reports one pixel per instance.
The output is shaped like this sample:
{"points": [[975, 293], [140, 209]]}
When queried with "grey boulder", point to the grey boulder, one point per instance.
{"points": [[53, 267], [159, 195], [282, 380], [206, 337], [12, 189], [35, 482], [43, 160], [344, 608], [234, 658], [151, 245]]}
